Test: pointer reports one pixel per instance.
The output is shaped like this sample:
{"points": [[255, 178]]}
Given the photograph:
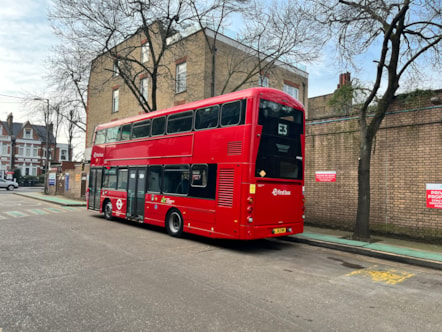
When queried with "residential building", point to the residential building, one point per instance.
{"points": [[185, 76], [23, 147]]}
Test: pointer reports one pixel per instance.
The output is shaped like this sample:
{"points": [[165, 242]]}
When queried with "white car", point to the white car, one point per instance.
{"points": [[8, 185]]}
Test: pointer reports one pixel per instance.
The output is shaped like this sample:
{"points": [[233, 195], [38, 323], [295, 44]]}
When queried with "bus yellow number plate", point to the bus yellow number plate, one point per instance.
{"points": [[279, 230]]}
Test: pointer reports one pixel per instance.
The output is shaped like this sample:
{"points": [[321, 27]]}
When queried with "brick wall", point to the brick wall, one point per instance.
{"points": [[407, 155]]}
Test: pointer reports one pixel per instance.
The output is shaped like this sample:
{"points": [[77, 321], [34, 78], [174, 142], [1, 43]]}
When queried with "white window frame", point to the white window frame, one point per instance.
{"points": [[181, 77], [144, 52], [63, 154], [116, 70], [115, 100], [263, 81], [27, 133], [144, 86], [291, 90]]}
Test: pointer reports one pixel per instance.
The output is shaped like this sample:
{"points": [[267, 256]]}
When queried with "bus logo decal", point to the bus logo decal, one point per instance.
{"points": [[98, 155], [119, 204], [279, 192]]}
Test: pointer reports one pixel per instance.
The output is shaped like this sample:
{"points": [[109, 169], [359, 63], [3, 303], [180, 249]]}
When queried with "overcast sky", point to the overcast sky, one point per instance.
{"points": [[26, 41]]}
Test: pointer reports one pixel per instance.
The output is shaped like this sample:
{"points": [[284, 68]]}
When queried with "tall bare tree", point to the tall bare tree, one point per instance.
{"points": [[90, 28], [103, 26], [68, 73], [401, 36]]}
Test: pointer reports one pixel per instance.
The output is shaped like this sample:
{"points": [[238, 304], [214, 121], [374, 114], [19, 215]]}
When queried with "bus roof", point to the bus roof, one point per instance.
{"points": [[246, 93]]}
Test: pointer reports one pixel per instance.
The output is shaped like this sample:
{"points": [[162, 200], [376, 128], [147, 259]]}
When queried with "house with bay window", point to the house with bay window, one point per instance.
{"points": [[23, 147]]}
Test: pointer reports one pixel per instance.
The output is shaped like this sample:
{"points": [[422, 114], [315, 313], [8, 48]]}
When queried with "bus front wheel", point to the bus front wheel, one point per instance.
{"points": [[108, 210], [174, 223]]}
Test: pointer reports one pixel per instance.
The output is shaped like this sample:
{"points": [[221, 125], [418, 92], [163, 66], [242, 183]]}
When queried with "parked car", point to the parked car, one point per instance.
{"points": [[8, 185]]}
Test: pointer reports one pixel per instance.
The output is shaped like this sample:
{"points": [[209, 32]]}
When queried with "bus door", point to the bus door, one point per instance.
{"points": [[135, 193], [95, 188]]}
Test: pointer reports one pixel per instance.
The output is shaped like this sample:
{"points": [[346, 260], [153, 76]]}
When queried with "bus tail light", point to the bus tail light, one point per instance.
{"points": [[250, 200], [250, 219], [249, 209]]}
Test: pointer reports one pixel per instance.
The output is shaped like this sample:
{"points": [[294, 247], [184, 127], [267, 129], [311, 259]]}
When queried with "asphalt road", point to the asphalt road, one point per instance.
{"points": [[68, 269]]}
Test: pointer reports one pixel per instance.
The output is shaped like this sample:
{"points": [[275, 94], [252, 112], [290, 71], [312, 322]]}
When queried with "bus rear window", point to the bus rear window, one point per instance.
{"points": [[280, 152]]}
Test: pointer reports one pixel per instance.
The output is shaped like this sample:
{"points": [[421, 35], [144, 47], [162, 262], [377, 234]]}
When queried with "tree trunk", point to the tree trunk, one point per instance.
{"points": [[362, 229]]}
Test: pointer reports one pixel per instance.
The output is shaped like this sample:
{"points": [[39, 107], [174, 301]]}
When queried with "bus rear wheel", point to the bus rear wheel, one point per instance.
{"points": [[174, 223], [108, 210]]}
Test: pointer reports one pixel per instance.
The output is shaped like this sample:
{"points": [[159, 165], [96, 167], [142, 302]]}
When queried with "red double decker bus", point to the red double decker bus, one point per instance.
{"points": [[225, 167]]}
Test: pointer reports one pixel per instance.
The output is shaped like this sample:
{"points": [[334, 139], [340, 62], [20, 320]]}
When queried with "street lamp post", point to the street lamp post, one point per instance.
{"points": [[47, 116]]}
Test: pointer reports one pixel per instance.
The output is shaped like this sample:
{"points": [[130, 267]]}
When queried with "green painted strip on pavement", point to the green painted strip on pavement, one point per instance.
{"points": [[16, 214], [38, 211], [328, 238], [405, 251], [374, 246], [54, 210], [69, 208]]}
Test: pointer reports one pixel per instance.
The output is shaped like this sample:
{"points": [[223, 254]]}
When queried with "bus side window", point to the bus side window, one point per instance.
{"points": [[179, 122], [124, 133], [206, 117], [231, 113], [110, 177], [199, 176], [176, 179], [112, 134], [141, 129], [100, 136], [154, 179], [122, 179], [158, 126]]}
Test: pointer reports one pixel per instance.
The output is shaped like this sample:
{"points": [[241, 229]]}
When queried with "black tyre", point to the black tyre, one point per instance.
{"points": [[174, 223], [108, 210], [10, 187]]}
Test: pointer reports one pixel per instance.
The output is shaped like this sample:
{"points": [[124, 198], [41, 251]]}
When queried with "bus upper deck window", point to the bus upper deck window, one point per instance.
{"points": [[158, 126], [100, 136], [231, 113], [206, 117], [141, 129]]}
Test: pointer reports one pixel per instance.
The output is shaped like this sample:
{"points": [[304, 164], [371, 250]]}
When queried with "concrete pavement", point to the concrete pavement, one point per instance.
{"points": [[60, 200], [404, 251]]}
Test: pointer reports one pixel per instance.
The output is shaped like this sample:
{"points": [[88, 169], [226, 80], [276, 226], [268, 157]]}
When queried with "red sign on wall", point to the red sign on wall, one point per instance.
{"points": [[434, 195], [326, 176]]}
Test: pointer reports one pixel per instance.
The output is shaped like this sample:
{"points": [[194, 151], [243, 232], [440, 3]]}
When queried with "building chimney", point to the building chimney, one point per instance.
{"points": [[344, 79], [10, 121]]}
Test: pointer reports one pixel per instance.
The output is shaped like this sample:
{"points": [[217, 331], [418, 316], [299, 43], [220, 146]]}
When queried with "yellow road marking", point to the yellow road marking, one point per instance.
{"points": [[390, 277]]}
